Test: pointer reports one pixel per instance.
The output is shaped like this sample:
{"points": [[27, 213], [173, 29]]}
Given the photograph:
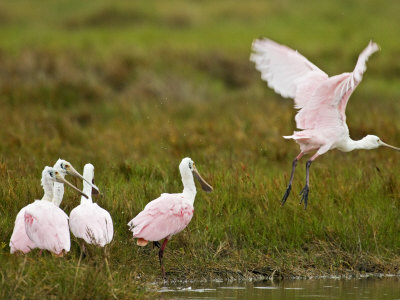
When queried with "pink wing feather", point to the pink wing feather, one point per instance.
{"points": [[162, 217], [321, 100], [19, 239], [283, 68], [47, 226]]}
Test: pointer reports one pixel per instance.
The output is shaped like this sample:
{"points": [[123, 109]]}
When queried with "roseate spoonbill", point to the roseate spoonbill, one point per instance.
{"points": [[321, 101], [20, 240], [64, 168], [46, 224], [88, 220], [170, 213]]}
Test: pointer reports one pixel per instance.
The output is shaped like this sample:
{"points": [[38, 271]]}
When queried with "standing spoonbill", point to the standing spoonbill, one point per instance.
{"points": [[321, 101], [89, 221], [45, 223], [65, 168], [19, 239], [169, 214]]}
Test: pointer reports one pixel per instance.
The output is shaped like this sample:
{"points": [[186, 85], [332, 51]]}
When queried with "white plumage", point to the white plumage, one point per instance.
{"points": [[88, 220]]}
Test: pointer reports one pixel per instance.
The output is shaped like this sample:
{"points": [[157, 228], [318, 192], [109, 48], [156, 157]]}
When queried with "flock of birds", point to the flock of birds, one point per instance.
{"points": [[44, 225], [321, 102]]}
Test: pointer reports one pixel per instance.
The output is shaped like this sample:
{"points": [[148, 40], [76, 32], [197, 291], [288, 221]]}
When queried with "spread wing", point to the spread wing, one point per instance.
{"points": [[321, 100], [282, 67]]}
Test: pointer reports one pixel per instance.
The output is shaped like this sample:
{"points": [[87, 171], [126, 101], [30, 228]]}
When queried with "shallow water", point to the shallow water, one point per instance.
{"points": [[351, 289]]}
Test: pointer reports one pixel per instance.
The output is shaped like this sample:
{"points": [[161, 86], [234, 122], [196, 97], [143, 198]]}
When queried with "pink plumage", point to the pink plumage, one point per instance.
{"points": [[162, 218], [19, 239], [169, 214], [321, 101], [47, 226], [42, 224]]}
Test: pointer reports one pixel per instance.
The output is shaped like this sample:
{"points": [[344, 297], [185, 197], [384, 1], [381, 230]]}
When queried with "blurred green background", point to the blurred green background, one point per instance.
{"points": [[135, 86]]}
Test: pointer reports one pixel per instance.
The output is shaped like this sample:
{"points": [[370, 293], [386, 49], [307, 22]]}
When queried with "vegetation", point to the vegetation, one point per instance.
{"points": [[134, 87]]}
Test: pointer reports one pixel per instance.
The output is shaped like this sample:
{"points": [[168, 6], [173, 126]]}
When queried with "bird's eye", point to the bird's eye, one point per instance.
{"points": [[190, 165]]}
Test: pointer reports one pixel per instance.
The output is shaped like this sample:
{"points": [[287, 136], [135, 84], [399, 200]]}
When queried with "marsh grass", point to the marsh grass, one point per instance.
{"points": [[117, 87]]}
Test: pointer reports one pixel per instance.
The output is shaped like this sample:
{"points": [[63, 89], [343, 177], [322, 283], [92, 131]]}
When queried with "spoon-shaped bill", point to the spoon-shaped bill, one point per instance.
{"points": [[63, 180], [95, 191], [71, 171], [390, 146], [204, 185]]}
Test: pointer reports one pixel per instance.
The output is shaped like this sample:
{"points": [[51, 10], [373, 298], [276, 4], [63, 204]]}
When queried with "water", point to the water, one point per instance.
{"points": [[350, 289]]}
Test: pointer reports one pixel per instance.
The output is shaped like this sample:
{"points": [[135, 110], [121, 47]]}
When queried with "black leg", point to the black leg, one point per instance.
{"points": [[160, 256], [306, 189], [289, 188], [83, 250]]}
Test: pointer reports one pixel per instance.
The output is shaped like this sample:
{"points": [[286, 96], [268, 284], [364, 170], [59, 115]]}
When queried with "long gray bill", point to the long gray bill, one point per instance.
{"points": [[63, 180], [204, 185], [96, 190], [75, 173], [390, 146]]}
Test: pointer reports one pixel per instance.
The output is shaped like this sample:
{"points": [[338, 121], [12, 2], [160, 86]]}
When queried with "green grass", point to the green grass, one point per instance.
{"points": [[135, 87]]}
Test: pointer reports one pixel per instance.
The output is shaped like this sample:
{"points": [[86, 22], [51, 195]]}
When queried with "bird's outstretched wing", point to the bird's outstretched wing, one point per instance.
{"points": [[347, 85], [321, 100], [283, 68], [324, 105]]}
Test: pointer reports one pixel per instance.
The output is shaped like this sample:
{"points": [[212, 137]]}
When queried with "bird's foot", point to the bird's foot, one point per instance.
{"points": [[156, 244], [304, 195], [286, 195]]}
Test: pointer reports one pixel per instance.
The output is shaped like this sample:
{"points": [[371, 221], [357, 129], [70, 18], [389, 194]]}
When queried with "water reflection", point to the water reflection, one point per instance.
{"points": [[354, 289]]}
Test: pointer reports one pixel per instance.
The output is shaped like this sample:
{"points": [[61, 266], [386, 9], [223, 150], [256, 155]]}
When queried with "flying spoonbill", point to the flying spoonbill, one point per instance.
{"points": [[321, 101], [169, 214], [88, 220]]}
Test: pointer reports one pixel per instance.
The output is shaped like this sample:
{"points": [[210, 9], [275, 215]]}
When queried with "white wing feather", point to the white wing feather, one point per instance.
{"points": [[282, 67]]}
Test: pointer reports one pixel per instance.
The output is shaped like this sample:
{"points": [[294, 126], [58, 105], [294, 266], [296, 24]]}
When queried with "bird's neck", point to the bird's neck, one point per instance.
{"points": [[351, 145], [189, 188], [58, 193], [87, 189], [48, 190]]}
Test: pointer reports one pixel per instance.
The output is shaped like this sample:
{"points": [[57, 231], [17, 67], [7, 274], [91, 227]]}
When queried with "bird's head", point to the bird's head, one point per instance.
{"points": [[53, 175], [373, 142], [65, 168], [50, 174], [187, 167]]}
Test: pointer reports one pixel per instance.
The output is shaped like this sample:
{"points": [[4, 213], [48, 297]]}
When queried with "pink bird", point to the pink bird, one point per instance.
{"points": [[45, 223], [88, 220], [169, 214], [321, 101], [28, 219]]}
